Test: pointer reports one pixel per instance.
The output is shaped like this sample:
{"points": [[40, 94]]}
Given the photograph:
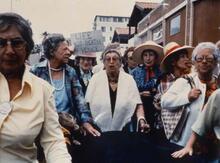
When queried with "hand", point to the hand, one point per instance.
{"points": [[144, 126], [194, 94], [88, 128], [181, 153], [145, 93]]}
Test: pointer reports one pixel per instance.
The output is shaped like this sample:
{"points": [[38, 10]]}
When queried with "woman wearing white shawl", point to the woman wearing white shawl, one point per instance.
{"points": [[113, 96]]}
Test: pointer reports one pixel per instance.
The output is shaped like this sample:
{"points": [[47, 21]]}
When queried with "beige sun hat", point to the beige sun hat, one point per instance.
{"points": [[171, 48], [148, 45]]}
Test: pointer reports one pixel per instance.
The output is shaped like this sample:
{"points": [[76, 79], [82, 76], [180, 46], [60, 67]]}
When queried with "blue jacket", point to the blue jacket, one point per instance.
{"points": [[139, 74], [79, 108]]}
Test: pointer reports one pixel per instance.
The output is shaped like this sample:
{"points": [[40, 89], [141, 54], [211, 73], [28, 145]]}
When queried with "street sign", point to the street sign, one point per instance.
{"points": [[86, 42]]}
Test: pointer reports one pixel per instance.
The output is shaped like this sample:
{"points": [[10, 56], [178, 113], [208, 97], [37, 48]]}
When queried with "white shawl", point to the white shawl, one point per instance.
{"points": [[98, 97]]}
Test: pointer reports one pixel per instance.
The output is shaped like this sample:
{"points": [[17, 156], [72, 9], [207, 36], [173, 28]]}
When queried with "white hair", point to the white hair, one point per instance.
{"points": [[205, 45]]}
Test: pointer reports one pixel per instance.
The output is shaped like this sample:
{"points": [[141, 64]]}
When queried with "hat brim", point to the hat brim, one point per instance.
{"points": [[89, 55], [137, 55], [189, 49]]}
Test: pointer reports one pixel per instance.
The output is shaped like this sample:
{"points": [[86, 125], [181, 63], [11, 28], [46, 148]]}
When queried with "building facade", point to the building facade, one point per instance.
{"points": [[184, 21], [107, 25]]}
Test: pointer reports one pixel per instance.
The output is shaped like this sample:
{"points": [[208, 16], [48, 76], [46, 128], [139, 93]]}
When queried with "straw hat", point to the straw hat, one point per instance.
{"points": [[171, 48], [148, 45]]}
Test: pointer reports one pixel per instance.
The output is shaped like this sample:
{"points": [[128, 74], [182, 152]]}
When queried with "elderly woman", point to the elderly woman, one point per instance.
{"points": [[175, 64], [207, 124], [111, 102], [129, 63], [85, 63], [148, 55], [69, 97], [204, 58], [27, 108]]}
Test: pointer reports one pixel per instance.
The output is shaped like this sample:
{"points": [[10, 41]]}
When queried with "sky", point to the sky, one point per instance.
{"points": [[66, 16]]}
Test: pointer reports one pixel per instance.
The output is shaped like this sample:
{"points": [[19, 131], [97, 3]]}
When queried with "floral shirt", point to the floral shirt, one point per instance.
{"points": [[79, 108], [139, 74]]}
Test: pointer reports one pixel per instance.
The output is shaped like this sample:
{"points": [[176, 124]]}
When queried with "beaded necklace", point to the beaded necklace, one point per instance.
{"points": [[51, 79]]}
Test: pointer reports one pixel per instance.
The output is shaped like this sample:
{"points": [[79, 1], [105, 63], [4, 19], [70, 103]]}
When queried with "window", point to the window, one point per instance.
{"points": [[115, 19], [108, 19], [120, 20], [103, 29], [110, 28], [110, 38], [157, 33], [175, 25]]}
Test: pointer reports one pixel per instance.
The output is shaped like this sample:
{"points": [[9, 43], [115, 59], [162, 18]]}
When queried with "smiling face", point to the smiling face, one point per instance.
{"points": [[205, 61], [13, 53], [182, 61], [149, 57], [62, 53]]}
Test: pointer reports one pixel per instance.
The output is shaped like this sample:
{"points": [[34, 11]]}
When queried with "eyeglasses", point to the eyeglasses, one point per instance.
{"points": [[109, 59], [16, 43], [208, 59]]}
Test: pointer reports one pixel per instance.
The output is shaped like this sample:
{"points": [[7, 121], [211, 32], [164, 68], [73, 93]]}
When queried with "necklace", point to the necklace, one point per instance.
{"points": [[51, 79], [56, 69]]}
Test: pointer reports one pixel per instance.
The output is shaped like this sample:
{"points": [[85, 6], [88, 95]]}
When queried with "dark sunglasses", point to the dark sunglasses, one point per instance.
{"points": [[16, 43]]}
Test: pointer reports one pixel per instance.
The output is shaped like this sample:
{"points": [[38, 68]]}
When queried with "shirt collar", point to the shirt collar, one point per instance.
{"points": [[84, 74], [27, 78]]}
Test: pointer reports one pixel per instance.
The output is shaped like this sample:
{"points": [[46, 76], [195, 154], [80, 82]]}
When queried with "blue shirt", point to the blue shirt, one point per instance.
{"points": [[139, 74], [79, 107], [61, 98]]}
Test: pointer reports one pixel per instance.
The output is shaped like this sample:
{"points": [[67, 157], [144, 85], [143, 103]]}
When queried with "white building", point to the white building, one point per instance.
{"points": [[107, 25]]}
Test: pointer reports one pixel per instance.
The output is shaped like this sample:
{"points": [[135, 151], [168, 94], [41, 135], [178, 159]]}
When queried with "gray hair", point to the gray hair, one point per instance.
{"points": [[7, 20], [51, 42], [205, 45], [112, 48]]}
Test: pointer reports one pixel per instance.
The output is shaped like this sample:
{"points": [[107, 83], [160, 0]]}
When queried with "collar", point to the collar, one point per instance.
{"points": [[27, 79], [43, 63], [83, 73]]}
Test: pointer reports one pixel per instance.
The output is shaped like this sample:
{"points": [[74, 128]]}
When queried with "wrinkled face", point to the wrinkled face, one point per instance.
{"points": [[205, 62], [85, 63], [112, 62], [12, 51], [149, 57], [131, 63], [183, 63], [62, 53]]}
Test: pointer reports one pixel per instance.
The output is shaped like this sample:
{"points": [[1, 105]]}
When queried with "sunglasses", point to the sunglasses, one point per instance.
{"points": [[16, 43]]}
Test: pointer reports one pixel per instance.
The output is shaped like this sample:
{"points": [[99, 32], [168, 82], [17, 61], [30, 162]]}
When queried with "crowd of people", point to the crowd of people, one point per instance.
{"points": [[170, 93]]}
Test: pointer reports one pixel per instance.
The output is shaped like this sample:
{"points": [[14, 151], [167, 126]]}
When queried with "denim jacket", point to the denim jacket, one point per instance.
{"points": [[79, 108], [139, 74]]}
